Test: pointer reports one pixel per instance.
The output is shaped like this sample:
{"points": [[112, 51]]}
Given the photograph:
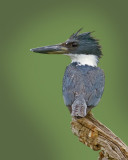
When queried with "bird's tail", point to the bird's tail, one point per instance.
{"points": [[79, 107]]}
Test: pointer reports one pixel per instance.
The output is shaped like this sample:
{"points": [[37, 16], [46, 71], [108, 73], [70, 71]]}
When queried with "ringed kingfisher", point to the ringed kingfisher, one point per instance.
{"points": [[83, 81]]}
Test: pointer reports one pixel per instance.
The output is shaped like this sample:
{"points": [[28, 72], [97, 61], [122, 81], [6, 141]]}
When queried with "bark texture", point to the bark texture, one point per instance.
{"points": [[98, 137]]}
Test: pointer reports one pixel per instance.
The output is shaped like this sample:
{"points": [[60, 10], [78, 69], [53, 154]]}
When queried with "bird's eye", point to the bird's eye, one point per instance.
{"points": [[74, 44]]}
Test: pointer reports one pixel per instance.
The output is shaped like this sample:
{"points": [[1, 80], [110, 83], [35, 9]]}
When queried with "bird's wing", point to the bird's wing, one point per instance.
{"points": [[88, 84], [72, 85], [94, 86]]}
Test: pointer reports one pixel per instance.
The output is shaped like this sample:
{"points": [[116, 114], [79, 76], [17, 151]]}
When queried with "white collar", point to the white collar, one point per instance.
{"points": [[84, 59]]}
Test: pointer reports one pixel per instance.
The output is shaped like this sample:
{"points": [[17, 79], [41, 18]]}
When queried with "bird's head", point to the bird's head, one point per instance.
{"points": [[82, 48]]}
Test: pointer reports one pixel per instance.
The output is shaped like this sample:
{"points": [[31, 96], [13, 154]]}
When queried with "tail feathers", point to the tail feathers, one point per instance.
{"points": [[79, 107]]}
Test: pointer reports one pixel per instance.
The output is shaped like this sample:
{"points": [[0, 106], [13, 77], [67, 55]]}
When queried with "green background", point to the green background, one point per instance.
{"points": [[34, 122]]}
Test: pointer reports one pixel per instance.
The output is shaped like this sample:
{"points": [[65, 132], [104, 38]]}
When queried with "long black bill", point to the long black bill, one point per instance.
{"points": [[54, 49]]}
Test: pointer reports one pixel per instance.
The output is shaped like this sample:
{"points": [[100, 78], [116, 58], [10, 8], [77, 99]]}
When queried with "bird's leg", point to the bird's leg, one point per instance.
{"points": [[79, 107]]}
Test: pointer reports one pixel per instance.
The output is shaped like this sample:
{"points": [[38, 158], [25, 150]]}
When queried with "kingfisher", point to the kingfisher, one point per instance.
{"points": [[83, 81]]}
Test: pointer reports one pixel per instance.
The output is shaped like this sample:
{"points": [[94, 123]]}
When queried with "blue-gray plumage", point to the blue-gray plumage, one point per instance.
{"points": [[82, 86], [83, 81]]}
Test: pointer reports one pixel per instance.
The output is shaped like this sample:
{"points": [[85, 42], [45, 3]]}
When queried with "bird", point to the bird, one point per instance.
{"points": [[83, 81]]}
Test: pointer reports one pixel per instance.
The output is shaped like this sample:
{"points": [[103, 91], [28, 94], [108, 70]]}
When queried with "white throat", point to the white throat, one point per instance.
{"points": [[84, 59]]}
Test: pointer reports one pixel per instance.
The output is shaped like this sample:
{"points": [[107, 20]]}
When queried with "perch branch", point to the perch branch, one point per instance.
{"points": [[98, 137]]}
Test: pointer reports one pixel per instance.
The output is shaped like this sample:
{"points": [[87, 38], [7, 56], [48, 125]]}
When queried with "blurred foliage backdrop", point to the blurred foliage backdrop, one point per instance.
{"points": [[35, 124]]}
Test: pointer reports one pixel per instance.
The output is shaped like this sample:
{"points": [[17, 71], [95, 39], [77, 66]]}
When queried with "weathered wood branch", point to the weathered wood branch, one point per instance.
{"points": [[98, 137]]}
